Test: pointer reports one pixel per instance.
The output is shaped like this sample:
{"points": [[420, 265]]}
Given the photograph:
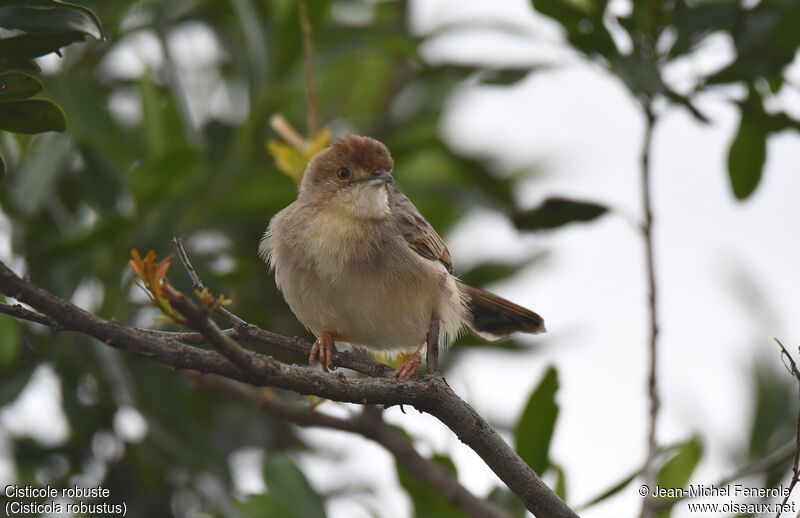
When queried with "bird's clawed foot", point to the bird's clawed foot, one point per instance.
{"points": [[323, 350], [410, 367]]}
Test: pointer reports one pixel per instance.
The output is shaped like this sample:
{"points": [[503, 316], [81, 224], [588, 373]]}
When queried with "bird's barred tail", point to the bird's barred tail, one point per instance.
{"points": [[494, 317]]}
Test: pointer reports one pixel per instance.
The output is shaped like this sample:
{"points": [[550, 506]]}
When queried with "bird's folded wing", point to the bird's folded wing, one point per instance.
{"points": [[418, 233]]}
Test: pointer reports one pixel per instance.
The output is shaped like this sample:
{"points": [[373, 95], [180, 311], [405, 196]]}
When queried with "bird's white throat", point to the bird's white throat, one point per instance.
{"points": [[365, 200]]}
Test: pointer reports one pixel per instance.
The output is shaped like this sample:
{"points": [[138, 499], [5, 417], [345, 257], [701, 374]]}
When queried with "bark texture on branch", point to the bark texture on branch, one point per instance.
{"points": [[429, 393]]}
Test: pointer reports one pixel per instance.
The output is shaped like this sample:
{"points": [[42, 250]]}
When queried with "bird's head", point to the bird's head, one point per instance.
{"points": [[350, 174]]}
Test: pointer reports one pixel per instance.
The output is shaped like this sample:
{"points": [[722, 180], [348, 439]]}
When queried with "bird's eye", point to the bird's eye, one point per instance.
{"points": [[343, 173]]}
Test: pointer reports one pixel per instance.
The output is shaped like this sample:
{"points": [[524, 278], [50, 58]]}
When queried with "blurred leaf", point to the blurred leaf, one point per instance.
{"points": [[48, 26], [583, 22], [12, 382], [292, 161], [9, 340], [428, 503], [37, 175], [535, 428], [765, 39], [561, 481], [27, 66], [49, 17], [31, 116], [505, 499], [163, 127], [613, 490], [639, 73], [265, 506], [677, 470], [687, 103], [748, 150], [17, 85], [2, 169], [494, 271], [774, 415], [287, 483], [555, 212], [746, 157], [694, 21], [504, 76]]}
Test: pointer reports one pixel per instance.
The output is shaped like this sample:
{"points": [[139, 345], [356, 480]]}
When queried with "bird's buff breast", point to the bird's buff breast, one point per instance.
{"points": [[359, 282]]}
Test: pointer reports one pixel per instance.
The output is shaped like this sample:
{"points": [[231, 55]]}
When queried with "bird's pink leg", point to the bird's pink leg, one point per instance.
{"points": [[410, 367], [324, 349]]}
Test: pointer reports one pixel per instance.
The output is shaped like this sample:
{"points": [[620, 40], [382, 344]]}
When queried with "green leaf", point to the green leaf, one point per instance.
{"points": [[428, 503], [535, 428], [505, 499], [746, 157], [582, 20], [17, 85], [31, 116], [555, 212], [613, 490], [561, 481], [9, 341], [12, 383], [29, 46], [677, 470], [504, 76], [287, 483], [265, 506], [50, 18], [37, 175], [47, 26], [494, 271]]}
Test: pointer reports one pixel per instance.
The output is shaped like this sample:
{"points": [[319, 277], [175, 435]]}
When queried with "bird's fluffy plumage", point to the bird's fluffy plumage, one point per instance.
{"points": [[355, 258]]}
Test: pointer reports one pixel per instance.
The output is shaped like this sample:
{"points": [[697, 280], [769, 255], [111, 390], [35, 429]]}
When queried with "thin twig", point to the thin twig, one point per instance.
{"points": [[197, 284], [429, 394], [17, 311], [368, 424], [198, 319], [649, 471], [312, 92], [796, 464], [287, 132], [432, 343]]}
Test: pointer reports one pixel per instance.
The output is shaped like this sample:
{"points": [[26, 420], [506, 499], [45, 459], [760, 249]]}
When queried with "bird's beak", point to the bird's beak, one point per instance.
{"points": [[377, 176]]}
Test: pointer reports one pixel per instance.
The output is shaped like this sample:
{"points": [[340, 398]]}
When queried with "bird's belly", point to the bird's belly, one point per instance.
{"points": [[376, 308]]}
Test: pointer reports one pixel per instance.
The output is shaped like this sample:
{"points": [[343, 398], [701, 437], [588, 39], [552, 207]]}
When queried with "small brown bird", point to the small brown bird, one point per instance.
{"points": [[358, 264]]}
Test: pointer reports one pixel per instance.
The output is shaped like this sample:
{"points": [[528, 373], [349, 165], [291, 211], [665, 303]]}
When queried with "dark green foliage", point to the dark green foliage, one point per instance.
{"points": [[289, 494], [428, 503], [507, 500], [677, 470], [556, 212], [765, 38], [79, 201], [535, 428], [39, 27]]}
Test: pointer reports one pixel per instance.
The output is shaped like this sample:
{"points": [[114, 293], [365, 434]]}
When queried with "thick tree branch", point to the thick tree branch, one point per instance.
{"points": [[369, 424], [429, 394]]}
